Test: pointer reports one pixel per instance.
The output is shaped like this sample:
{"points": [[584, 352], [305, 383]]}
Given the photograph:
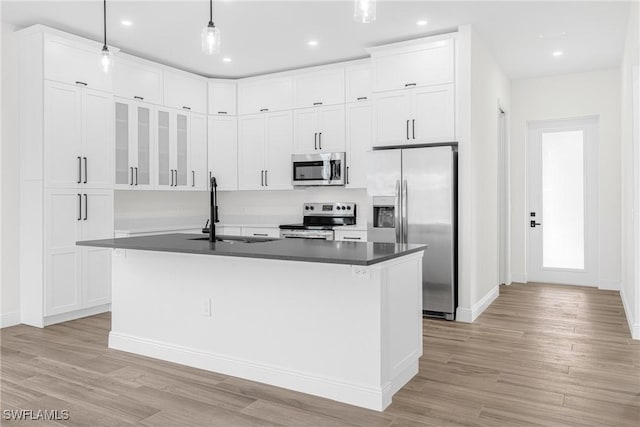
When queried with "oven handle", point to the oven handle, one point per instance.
{"points": [[293, 236]]}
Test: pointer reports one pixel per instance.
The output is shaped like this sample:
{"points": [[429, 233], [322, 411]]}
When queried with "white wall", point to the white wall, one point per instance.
{"points": [[572, 95], [630, 160], [10, 274], [484, 87]]}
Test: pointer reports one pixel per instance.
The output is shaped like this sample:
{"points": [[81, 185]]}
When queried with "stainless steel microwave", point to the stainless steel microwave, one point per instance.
{"points": [[318, 169]]}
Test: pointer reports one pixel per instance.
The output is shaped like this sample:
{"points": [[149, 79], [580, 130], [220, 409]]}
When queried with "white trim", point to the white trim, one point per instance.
{"points": [[518, 277], [470, 315], [609, 285], [76, 314], [634, 326], [9, 319], [355, 394]]}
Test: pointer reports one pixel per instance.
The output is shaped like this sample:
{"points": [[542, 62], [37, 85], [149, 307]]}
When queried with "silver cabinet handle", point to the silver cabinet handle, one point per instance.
{"points": [[81, 83], [136, 168], [266, 176], [413, 128], [138, 97], [171, 177], [320, 140], [85, 169], [261, 234], [131, 170], [184, 107], [79, 169], [261, 178], [86, 206], [347, 175], [361, 98], [409, 84], [175, 181], [396, 216], [407, 128], [79, 207], [315, 141], [193, 178], [405, 212], [352, 238]]}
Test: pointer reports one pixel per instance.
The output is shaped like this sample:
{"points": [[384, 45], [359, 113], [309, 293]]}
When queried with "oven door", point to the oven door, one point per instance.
{"points": [[318, 169], [307, 234]]}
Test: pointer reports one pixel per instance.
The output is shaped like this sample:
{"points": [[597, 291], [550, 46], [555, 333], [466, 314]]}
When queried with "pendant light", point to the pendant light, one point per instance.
{"points": [[364, 11], [106, 55], [210, 35]]}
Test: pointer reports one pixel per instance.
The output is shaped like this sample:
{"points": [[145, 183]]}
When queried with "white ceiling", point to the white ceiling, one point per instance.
{"points": [[267, 36]]}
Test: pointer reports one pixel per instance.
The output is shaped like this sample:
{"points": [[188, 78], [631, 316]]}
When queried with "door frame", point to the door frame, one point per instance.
{"points": [[504, 200], [590, 275]]}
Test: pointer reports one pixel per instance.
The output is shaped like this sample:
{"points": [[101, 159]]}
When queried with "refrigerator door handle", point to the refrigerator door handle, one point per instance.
{"points": [[405, 223], [397, 218]]}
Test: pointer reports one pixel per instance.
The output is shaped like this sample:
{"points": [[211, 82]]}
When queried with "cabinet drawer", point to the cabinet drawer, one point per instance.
{"points": [[135, 80], [185, 92], [351, 235], [324, 87], [261, 231]]}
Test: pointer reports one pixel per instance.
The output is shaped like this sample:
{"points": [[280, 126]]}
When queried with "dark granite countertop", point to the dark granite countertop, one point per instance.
{"points": [[326, 251]]}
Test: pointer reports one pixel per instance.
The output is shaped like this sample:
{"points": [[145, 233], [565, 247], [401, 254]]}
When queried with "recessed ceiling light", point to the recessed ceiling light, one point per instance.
{"points": [[126, 23], [312, 43], [226, 59], [558, 53], [421, 23]]}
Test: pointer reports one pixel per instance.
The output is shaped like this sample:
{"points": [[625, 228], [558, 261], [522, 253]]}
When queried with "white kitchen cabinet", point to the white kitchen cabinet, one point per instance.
{"points": [[319, 129], [323, 87], [358, 82], [261, 232], [137, 80], [358, 143], [265, 95], [185, 92], [76, 277], [78, 142], [265, 144], [133, 143], [228, 231], [198, 180], [350, 235], [172, 148], [75, 63], [412, 64], [414, 116], [222, 97], [223, 151]]}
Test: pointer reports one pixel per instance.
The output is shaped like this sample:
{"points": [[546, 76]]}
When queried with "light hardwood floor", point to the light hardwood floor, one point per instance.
{"points": [[540, 355]]}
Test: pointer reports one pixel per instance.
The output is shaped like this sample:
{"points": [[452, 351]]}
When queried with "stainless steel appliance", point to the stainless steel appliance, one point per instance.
{"points": [[318, 169], [319, 220], [412, 199]]}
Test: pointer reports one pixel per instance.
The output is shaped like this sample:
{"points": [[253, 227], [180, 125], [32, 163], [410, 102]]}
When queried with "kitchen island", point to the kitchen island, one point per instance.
{"points": [[341, 320]]}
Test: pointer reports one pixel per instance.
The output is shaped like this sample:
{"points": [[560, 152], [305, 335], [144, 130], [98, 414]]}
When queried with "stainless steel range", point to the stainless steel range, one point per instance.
{"points": [[319, 220]]}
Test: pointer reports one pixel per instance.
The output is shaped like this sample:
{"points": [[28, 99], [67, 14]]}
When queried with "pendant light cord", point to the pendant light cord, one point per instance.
{"points": [[104, 17]]}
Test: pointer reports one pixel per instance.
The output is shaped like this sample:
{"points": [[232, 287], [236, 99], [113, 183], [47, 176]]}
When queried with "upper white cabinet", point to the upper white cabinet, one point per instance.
{"points": [[138, 80], [72, 62], [324, 87], [223, 151], [358, 143], [358, 82], [319, 129], [185, 92], [265, 95], [412, 64], [133, 143], [198, 180], [222, 97]]}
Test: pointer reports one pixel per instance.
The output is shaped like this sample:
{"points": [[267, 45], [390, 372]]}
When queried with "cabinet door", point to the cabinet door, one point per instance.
{"points": [[391, 118], [124, 144], [97, 223], [223, 151], [143, 150], [185, 92], [222, 98], [433, 111], [324, 87], [358, 82], [305, 130], [263, 95], [97, 139], [138, 81], [358, 143], [251, 152], [331, 128], [198, 153], [63, 225], [71, 62], [181, 151], [164, 163], [279, 146], [62, 135]]}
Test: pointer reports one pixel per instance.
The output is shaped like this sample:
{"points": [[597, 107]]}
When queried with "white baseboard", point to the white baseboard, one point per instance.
{"points": [[518, 277], [376, 398], [634, 325], [470, 315], [77, 314], [9, 319], [609, 285]]}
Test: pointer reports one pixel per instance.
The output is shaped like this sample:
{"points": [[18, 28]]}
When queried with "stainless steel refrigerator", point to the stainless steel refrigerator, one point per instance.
{"points": [[412, 196]]}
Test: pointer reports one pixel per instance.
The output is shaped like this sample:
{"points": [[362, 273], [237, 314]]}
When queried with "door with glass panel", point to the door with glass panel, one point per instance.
{"points": [[133, 145], [562, 206]]}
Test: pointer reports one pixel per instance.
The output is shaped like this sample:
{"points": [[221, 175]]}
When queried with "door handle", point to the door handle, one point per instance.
{"points": [[175, 181], [79, 207], [131, 170], [405, 210], [266, 183], [193, 178], [533, 223], [171, 171], [261, 178], [396, 216], [407, 128], [320, 140], [413, 128], [85, 170], [79, 169], [315, 141], [136, 168], [347, 174], [86, 206]]}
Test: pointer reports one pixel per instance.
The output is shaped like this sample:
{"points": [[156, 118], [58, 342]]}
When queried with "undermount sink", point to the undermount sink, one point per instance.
{"points": [[238, 239]]}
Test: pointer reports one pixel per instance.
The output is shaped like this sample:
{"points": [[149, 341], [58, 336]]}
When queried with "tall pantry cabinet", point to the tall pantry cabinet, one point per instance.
{"points": [[66, 184]]}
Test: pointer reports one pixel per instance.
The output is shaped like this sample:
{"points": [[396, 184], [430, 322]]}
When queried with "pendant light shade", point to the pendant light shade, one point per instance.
{"points": [[364, 11], [106, 55], [210, 35]]}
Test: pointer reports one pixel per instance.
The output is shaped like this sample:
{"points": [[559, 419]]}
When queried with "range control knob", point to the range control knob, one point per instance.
{"points": [[348, 208], [343, 208], [311, 207], [306, 208]]}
